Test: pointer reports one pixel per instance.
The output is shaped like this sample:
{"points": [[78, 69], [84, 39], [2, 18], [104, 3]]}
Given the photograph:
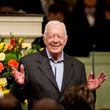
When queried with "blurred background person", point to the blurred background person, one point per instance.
{"points": [[47, 104], [79, 98], [102, 43], [107, 13], [9, 102], [9, 6], [30, 6], [84, 21], [46, 4], [90, 12]]}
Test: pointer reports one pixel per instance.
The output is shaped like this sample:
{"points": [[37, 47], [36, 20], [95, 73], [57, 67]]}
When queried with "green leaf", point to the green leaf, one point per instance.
{"points": [[10, 56]]}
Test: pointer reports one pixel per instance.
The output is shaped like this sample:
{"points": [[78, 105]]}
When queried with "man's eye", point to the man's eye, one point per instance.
{"points": [[55, 35], [51, 36]]}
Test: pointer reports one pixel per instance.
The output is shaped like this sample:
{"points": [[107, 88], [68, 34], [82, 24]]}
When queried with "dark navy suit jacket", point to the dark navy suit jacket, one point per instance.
{"points": [[40, 80]]}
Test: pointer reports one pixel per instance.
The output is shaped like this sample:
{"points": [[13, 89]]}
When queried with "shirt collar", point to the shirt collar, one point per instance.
{"points": [[50, 57]]}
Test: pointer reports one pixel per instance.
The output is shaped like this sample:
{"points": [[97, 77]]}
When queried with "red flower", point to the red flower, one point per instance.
{"points": [[13, 41], [1, 67], [13, 63]]}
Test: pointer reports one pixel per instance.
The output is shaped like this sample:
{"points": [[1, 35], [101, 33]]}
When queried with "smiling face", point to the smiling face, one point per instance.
{"points": [[55, 38]]}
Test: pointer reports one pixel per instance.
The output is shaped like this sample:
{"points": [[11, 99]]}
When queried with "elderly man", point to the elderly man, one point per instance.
{"points": [[48, 73]]}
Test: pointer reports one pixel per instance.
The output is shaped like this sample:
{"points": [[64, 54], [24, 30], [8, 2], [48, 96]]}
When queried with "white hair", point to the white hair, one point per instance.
{"points": [[55, 22]]}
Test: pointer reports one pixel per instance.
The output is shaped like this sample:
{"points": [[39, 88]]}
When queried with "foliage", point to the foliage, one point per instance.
{"points": [[10, 54]]}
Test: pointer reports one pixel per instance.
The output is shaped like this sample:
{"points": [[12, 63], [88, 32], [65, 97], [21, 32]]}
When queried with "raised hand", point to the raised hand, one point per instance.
{"points": [[94, 83], [19, 76]]}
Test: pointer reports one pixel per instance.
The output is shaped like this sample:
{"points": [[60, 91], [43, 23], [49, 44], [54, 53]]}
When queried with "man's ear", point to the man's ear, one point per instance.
{"points": [[44, 39]]}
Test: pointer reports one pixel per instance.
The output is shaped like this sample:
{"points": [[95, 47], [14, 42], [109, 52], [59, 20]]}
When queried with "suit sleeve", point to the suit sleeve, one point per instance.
{"points": [[19, 91]]}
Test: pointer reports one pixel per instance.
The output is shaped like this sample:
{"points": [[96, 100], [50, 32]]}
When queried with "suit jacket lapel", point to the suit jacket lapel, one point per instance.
{"points": [[45, 66], [68, 70]]}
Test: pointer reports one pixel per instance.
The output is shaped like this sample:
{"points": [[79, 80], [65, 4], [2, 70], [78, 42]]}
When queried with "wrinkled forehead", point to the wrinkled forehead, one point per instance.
{"points": [[55, 28]]}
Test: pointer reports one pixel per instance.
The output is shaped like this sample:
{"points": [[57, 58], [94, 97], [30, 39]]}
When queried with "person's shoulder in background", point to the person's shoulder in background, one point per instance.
{"points": [[9, 102]]}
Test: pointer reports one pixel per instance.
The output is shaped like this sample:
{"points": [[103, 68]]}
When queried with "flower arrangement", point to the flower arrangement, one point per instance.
{"points": [[10, 54]]}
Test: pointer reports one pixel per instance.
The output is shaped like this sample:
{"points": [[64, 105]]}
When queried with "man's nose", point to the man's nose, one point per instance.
{"points": [[55, 37]]}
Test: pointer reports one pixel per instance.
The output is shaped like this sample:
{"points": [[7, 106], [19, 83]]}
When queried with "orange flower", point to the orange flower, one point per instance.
{"points": [[13, 63], [10, 46], [1, 67]]}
